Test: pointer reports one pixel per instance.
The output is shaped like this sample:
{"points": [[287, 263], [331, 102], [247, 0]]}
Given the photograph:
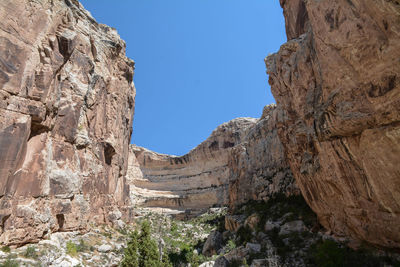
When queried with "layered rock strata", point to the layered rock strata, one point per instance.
{"points": [[242, 160], [337, 84], [67, 101], [197, 180]]}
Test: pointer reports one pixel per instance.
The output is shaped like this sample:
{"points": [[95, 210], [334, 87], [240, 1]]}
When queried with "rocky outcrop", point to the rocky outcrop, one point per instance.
{"points": [[197, 180], [66, 100], [258, 167], [337, 84]]}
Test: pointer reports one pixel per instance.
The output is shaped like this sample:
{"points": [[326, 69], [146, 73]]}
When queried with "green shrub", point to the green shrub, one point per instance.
{"points": [[72, 249], [174, 228], [329, 254], [6, 249], [30, 252], [82, 246], [10, 262], [123, 231], [107, 234], [230, 245], [243, 235]]}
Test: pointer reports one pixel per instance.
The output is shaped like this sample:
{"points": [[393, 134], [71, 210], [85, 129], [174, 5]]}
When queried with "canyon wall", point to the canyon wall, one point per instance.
{"points": [[258, 167], [242, 160], [337, 83], [197, 180], [67, 101]]}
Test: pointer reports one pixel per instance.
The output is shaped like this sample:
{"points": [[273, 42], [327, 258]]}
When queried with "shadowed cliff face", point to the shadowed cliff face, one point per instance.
{"points": [[337, 84], [66, 100]]}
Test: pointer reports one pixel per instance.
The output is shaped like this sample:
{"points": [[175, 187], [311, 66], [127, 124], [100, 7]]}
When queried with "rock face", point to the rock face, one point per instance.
{"points": [[337, 84], [242, 160], [197, 180], [258, 166], [67, 100]]}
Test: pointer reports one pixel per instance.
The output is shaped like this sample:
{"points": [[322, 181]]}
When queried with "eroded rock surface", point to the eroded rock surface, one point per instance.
{"points": [[337, 83], [242, 160], [197, 180], [258, 167], [66, 100]]}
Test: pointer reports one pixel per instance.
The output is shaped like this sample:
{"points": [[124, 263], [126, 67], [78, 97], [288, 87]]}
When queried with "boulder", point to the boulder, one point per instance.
{"points": [[104, 248], [233, 222], [269, 226], [208, 264], [253, 247], [237, 254], [259, 263], [221, 261], [213, 244], [293, 226], [252, 221]]}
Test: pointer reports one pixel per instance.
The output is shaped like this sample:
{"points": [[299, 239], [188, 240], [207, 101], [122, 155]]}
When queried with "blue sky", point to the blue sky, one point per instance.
{"points": [[199, 63]]}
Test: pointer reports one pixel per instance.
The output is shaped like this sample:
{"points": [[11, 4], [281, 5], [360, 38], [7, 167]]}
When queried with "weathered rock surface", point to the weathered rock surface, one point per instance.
{"points": [[337, 84], [66, 100], [197, 180], [258, 167], [242, 160]]}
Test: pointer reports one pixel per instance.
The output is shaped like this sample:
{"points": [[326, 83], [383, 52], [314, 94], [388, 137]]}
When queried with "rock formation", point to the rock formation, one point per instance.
{"points": [[337, 83], [67, 100], [196, 180], [258, 167], [242, 160]]}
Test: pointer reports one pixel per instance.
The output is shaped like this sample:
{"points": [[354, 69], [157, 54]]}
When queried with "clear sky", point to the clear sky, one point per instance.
{"points": [[199, 63]]}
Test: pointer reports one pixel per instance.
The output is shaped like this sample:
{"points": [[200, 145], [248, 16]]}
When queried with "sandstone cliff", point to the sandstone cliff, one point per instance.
{"points": [[196, 180], [67, 100], [242, 160], [337, 84], [258, 167]]}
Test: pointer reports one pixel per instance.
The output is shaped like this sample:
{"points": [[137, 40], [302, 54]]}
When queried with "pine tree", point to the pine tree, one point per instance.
{"points": [[142, 250], [148, 251], [131, 255]]}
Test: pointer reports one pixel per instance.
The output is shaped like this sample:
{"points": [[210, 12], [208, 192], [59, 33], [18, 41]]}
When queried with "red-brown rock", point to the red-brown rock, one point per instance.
{"points": [[66, 100], [337, 84], [258, 166]]}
